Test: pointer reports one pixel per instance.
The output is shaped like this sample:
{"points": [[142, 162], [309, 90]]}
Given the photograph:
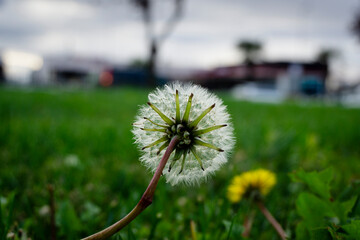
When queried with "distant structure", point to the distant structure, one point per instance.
{"points": [[69, 70], [292, 78], [251, 50], [28, 69], [127, 76]]}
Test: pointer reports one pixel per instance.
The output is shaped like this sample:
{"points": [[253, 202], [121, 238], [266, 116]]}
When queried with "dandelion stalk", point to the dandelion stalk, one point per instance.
{"points": [[158, 127], [249, 219], [145, 200], [276, 225]]}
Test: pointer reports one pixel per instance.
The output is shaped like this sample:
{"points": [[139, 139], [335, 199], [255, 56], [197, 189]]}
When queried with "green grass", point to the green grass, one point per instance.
{"points": [[80, 142]]}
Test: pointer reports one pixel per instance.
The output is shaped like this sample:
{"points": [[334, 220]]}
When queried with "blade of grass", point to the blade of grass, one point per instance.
{"points": [[131, 235], [231, 227]]}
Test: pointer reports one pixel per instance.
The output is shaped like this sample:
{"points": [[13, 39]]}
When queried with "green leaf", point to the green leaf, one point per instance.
{"points": [[320, 234], [349, 192], [318, 182], [90, 212], [352, 190], [67, 220], [302, 232], [342, 209], [356, 209], [352, 229], [314, 210]]}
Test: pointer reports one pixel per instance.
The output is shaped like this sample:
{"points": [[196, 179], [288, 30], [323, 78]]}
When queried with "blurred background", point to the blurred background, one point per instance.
{"points": [[266, 50], [73, 73]]}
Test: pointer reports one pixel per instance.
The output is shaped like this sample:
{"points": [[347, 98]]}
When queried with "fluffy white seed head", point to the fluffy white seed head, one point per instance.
{"points": [[191, 172]]}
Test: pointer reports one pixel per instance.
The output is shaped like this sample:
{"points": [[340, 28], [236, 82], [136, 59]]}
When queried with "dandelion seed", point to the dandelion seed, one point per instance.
{"points": [[201, 122], [257, 183]]}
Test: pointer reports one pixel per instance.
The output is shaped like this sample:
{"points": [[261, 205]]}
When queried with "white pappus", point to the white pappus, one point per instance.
{"points": [[198, 118]]}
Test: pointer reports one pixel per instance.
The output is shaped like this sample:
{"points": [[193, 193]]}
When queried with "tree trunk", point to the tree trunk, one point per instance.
{"points": [[151, 70]]}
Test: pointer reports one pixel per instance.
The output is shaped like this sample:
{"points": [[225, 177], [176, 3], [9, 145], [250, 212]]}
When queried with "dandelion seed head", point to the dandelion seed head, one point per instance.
{"points": [[188, 171]]}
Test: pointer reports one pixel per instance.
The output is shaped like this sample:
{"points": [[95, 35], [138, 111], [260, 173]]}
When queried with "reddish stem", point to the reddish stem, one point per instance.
{"points": [[272, 220], [249, 219], [145, 200]]}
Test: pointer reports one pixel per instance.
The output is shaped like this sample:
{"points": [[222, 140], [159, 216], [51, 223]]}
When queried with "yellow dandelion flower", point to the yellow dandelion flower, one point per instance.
{"points": [[242, 186]]}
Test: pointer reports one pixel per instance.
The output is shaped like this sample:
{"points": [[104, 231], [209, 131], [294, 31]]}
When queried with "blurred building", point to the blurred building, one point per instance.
{"points": [[292, 78], [70, 70], [128, 76], [24, 68]]}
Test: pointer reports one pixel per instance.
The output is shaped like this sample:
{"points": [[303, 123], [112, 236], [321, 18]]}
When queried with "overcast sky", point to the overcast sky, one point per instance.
{"points": [[205, 37]]}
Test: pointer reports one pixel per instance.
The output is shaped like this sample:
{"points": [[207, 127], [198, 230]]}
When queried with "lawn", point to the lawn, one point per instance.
{"points": [[80, 143]]}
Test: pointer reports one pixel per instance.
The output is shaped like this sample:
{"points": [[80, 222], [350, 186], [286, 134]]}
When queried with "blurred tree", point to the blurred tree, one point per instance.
{"points": [[154, 40], [250, 49], [356, 25], [2, 75], [324, 56]]}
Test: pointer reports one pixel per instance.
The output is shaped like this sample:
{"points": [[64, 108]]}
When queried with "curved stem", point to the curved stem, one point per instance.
{"points": [[272, 220], [145, 200]]}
